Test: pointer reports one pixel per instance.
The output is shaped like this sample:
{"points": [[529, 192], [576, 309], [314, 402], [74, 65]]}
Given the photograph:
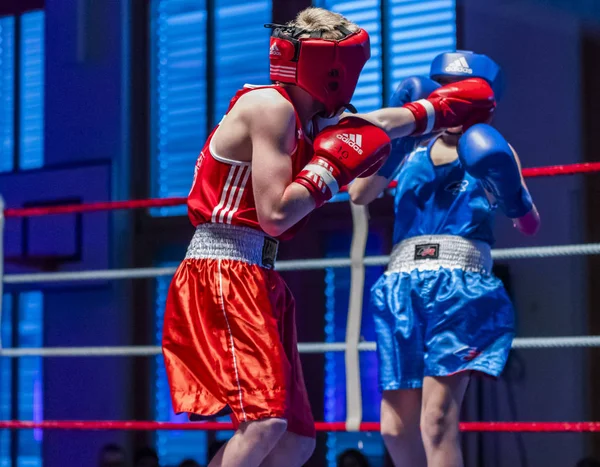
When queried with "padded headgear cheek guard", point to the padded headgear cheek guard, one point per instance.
{"points": [[327, 69], [464, 64]]}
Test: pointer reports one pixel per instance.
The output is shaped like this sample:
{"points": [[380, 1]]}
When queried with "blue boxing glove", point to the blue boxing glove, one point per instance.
{"points": [[412, 89], [485, 155], [409, 90]]}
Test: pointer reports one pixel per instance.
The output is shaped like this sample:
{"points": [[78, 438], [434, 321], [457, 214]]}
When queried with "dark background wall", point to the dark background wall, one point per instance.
{"points": [[540, 50], [86, 156]]}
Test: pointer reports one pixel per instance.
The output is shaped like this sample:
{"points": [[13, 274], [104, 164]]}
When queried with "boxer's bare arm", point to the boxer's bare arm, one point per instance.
{"points": [[395, 121], [272, 128], [519, 164], [364, 190], [271, 121], [530, 223]]}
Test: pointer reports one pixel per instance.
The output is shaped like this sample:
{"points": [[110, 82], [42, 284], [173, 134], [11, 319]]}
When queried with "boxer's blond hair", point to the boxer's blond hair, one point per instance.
{"points": [[318, 19]]}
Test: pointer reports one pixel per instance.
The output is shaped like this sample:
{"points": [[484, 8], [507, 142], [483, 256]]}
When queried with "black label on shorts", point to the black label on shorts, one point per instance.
{"points": [[427, 251], [269, 253]]}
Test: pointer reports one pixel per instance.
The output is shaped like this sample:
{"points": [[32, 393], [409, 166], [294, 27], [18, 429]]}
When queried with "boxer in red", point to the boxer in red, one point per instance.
{"points": [[229, 338]]}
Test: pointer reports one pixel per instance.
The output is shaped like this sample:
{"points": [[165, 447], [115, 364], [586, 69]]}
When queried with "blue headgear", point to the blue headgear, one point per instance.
{"points": [[464, 64]]}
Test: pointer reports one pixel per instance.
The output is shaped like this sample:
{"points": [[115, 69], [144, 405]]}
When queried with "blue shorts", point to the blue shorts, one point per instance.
{"points": [[440, 322]]}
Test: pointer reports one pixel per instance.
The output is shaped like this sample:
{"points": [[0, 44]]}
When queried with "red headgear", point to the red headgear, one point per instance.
{"points": [[327, 69]]}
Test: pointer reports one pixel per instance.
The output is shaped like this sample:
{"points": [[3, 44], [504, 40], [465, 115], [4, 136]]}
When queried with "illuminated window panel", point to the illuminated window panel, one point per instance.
{"points": [[177, 96]]}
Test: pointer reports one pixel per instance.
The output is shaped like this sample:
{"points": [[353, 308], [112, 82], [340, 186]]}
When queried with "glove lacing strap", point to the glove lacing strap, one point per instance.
{"points": [[321, 175], [430, 113]]}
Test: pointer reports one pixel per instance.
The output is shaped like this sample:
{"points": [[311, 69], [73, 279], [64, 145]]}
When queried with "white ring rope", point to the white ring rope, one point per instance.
{"points": [[92, 275], [308, 348], [547, 251], [292, 265], [360, 233], [556, 342]]}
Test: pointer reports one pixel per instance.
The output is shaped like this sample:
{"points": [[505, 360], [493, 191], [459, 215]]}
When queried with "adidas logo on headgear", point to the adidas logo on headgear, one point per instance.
{"points": [[459, 65], [354, 141], [274, 50]]}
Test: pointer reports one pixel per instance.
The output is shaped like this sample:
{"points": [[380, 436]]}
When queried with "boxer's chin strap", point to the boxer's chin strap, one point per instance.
{"points": [[351, 108], [340, 112]]}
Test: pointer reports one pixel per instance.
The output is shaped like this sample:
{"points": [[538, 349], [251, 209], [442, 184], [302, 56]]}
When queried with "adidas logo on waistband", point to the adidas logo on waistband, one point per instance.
{"points": [[274, 50], [459, 65], [354, 141]]}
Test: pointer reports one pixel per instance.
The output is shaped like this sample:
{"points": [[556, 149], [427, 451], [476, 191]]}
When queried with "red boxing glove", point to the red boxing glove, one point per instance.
{"points": [[463, 103], [342, 153]]}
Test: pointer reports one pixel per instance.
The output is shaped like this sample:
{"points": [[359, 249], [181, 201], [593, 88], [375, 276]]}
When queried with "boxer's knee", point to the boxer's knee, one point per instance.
{"points": [[267, 431], [400, 413], [436, 424]]}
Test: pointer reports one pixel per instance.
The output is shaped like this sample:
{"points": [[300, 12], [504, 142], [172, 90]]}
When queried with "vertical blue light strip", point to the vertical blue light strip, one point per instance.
{"points": [[177, 96], [330, 365], [6, 381], [31, 97], [241, 48], [31, 325], [7, 85], [418, 30]]}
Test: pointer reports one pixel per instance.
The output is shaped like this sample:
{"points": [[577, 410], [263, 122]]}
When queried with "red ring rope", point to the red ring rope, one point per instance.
{"points": [[570, 169], [529, 427], [94, 207]]}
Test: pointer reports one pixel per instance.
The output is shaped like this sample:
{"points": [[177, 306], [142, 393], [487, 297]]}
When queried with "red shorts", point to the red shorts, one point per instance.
{"points": [[230, 341]]}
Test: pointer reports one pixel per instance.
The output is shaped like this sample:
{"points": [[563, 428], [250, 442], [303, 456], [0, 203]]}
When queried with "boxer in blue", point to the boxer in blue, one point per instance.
{"points": [[440, 313]]}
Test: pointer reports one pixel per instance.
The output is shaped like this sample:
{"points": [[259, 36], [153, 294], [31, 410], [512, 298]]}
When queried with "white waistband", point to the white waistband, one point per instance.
{"points": [[432, 252], [225, 241]]}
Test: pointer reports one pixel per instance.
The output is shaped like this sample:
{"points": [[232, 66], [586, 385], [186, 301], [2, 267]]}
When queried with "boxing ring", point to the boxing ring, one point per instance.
{"points": [[351, 346]]}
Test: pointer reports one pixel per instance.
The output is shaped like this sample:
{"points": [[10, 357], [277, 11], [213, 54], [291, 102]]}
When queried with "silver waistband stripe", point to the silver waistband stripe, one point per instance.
{"points": [[431, 252], [225, 241]]}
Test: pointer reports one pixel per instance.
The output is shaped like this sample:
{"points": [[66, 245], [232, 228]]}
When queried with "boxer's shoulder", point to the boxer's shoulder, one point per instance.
{"points": [[441, 153], [261, 111], [264, 102]]}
